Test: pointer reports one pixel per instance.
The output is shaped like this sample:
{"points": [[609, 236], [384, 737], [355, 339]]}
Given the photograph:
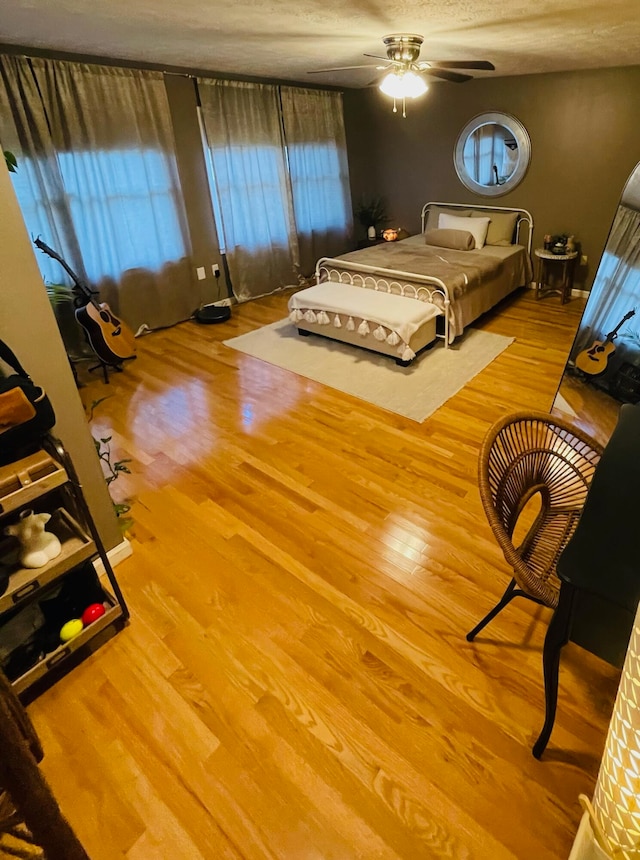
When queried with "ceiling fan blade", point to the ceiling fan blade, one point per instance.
{"points": [[342, 68], [463, 64], [446, 75], [384, 59]]}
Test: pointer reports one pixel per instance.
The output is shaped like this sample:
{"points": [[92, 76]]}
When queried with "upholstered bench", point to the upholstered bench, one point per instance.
{"points": [[387, 323]]}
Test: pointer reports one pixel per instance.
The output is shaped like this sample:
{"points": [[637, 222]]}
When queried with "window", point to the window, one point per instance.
{"points": [[257, 218], [121, 205], [317, 187]]}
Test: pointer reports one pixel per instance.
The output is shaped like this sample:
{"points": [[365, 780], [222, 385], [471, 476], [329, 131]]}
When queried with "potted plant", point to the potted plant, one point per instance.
{"points": [[62, 298], [370, 212], [10, 161]]}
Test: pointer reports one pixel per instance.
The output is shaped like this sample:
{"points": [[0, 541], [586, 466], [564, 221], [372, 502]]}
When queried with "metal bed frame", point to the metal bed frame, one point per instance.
{"points": [[423, 287]]}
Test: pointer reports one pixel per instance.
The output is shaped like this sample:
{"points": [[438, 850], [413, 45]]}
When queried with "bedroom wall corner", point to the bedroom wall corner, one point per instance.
{"points": [[360, 131]]}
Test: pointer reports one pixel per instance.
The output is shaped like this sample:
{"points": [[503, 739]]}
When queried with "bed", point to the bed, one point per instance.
{"points": [[430, 290]]}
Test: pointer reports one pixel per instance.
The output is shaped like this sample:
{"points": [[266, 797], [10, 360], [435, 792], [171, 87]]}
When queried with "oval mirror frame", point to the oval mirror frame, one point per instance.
{"points": [[513, 127]]}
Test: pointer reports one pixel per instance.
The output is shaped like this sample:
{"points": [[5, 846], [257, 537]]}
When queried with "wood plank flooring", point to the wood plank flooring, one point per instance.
{"points": [[295, 682]]}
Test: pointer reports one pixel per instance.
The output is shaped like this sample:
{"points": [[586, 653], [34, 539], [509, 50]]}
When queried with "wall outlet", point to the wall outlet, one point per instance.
{"points": [[216, 270], [201, 273], [583, 260]]}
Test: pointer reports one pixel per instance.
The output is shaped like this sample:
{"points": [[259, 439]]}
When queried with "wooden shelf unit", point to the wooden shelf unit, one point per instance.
{"points": [[77, 547], [56, 658], [47, 481]]}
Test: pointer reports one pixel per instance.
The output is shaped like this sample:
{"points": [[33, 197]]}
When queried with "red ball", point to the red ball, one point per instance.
{"points": [[92, 613]]}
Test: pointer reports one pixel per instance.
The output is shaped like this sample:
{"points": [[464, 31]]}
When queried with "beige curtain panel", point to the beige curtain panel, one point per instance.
{"points": [[112, 190], [24, 130], [244, 136], [317, 157]]}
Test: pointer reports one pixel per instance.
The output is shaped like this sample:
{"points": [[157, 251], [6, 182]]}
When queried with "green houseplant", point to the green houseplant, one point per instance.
{"points": [[112, 469], [10, 160], [62, 299], [370, 212]]}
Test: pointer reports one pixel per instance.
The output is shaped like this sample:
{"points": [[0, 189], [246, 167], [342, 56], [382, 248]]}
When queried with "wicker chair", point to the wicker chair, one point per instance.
{"points": [[523, 455]]}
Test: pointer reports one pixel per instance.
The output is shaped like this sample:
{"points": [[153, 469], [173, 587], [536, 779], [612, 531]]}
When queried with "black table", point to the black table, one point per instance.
{"points": [[599, 569]]}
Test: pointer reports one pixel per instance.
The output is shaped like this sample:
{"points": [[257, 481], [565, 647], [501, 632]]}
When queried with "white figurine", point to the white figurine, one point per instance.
{"points": [[37, 547]]}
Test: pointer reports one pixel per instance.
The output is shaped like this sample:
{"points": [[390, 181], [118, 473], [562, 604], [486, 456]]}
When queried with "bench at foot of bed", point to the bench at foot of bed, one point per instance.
{"points": [[386, 323]]}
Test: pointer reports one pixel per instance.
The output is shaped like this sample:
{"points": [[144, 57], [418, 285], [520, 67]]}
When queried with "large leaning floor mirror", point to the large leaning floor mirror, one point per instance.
{"points": [[603, 369]]}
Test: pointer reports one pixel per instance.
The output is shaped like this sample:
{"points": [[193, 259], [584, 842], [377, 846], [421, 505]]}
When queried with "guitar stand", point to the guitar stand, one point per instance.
{"points": [[105, 369]]}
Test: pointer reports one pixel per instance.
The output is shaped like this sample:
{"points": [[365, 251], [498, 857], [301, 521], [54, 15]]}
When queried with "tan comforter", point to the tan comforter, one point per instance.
{"points": [[459, 270]]}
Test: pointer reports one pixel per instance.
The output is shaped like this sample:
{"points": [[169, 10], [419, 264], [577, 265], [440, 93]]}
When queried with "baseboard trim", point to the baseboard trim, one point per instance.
{"points": [[584, 294], [115, 555]]}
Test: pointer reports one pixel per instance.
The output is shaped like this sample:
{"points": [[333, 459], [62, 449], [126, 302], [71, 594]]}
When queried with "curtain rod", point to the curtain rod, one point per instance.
{"points": [[28, 53]]}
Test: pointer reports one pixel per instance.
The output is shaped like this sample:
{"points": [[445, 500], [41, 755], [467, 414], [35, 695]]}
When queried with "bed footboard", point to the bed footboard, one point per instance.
{"points": [[422, 287]]}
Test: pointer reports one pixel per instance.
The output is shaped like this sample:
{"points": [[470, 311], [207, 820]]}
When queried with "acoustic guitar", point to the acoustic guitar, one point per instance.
{"points": [[111, 339], [594, 360]]}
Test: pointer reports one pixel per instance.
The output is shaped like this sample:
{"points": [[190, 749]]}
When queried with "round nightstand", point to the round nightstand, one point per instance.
{"points": [[563, 287]]}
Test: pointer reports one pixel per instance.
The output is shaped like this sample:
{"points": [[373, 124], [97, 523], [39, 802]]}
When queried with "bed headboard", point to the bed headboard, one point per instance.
{"points": [[524, 223]]}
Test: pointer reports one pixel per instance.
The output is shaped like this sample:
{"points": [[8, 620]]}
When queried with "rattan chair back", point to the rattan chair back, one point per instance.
{"points": [[527, 454]]}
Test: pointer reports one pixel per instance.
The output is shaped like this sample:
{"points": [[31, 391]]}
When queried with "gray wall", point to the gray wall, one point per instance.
{"points": [[585, 141], [29, 327], [205, 249]]}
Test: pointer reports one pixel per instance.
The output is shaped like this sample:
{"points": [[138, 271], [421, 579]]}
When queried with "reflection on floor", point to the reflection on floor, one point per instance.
{"points": [[595, 411]]}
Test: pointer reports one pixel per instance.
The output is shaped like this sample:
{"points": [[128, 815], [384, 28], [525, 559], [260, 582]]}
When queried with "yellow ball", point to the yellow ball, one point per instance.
{"points": [[71, 629]]}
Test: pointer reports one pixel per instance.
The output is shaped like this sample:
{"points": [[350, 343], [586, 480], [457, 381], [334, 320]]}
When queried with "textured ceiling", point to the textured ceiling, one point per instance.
{"points": [[286, 38]]}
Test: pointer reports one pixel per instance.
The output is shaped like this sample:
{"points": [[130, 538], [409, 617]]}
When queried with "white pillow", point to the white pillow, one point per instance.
{"points": [[476, 226]]}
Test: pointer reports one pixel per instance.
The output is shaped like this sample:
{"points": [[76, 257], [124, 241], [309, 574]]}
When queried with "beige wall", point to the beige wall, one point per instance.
{"points": [[585, 139], [29, 327]]}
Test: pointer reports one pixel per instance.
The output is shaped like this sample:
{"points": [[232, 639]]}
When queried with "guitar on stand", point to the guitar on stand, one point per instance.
{"points": [[112, 340], [593, 361]]}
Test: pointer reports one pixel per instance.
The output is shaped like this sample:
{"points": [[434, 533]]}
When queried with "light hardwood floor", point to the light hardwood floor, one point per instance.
{"points": [[295, 682]]}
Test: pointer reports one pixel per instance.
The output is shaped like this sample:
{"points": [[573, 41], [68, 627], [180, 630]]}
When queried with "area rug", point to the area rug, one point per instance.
{"points": [[414, 392]]}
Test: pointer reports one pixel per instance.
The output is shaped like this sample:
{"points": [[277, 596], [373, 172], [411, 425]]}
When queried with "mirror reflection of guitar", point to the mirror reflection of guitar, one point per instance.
{"points": [[110, 338], [594, 360]]}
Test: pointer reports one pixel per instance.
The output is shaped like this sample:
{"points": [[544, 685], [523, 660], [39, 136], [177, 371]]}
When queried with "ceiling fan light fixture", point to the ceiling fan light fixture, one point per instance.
{"points": [[403, 85]]}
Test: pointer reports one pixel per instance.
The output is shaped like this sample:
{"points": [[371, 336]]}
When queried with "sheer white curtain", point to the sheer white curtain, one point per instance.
{"points": [[317, 156], [24, 129], [616, 289], [483, 150], [244, 138], [101, 182]]}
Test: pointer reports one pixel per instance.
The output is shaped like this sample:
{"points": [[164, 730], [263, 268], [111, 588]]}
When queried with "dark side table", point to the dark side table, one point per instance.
{"points": [[547, 262], [366, 243], [599, 571]]}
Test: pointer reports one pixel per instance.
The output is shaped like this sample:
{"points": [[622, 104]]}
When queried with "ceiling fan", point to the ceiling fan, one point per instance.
{"points": [[404, 75]]}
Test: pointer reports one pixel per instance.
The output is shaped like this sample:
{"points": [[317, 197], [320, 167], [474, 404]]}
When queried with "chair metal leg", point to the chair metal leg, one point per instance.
{"points": [[557, 637], [506, 598]]}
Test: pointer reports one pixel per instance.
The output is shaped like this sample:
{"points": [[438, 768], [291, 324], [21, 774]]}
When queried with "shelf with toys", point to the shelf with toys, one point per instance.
{"points": [[52, 602]]}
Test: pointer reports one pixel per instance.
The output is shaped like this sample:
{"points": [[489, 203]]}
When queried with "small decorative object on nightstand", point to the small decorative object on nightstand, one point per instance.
{"points": [[371, 212], [547, 260]]}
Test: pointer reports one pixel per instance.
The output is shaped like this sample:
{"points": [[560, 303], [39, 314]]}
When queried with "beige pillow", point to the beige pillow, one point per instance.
{"points": [[458, 240], [476, 226], [435, 212], [501, 226]]}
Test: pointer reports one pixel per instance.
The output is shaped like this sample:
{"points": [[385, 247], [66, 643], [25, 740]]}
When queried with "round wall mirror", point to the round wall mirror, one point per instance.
{"points": [[492, 154]]}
